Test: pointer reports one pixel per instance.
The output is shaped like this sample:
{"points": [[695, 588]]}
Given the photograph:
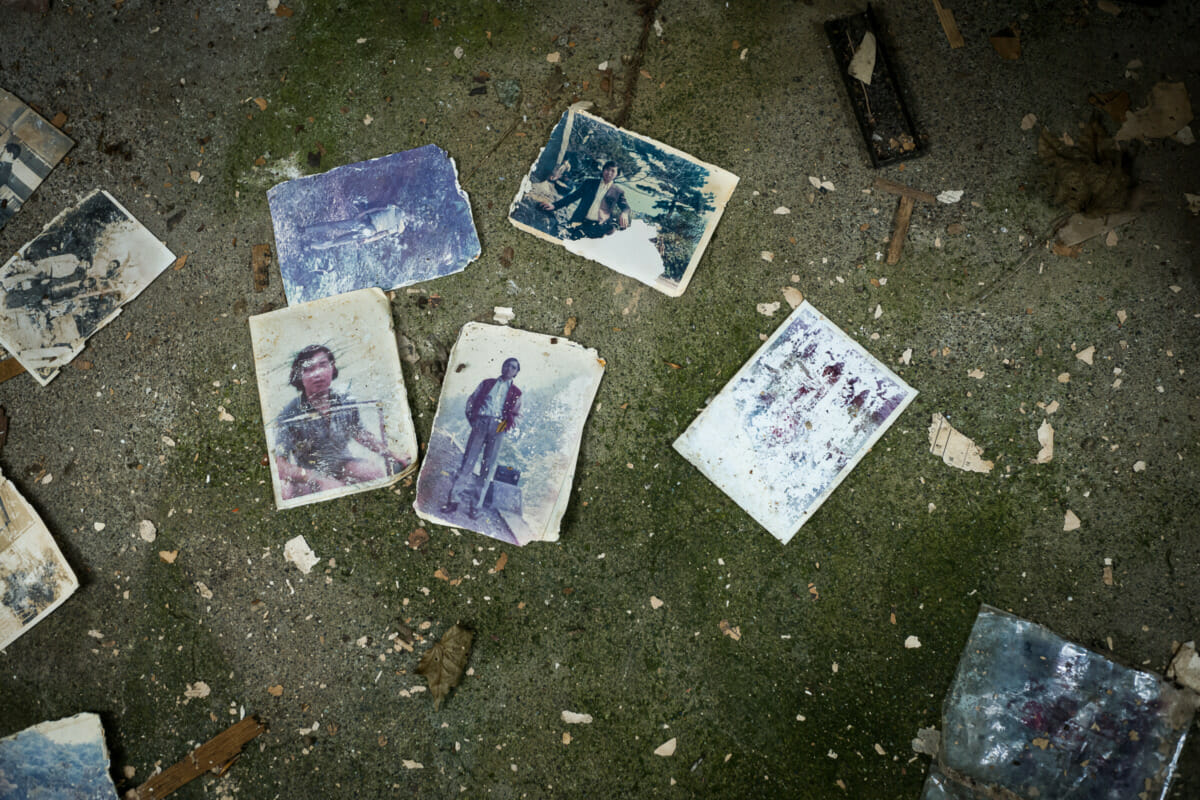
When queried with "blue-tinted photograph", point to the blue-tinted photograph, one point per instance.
{"points": [[384, 223], [65, 759]]}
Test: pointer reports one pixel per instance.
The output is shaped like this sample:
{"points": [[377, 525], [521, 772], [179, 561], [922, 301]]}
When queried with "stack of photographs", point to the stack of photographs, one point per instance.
{"points": [[29, 148], [621, 199], [35, 579], [386, 223], [333, 401], [501, 456], [794, 420], [72, 279]]}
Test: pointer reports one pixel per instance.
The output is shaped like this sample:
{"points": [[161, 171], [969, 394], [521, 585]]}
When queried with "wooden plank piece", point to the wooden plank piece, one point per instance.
{"points": [[10, 368], [949, 26], [260, 264], [900, 229], [891, 187], [216, 752]]}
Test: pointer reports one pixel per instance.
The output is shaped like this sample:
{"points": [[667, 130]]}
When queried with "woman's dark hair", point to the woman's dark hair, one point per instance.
{"points": [[305, 355]]}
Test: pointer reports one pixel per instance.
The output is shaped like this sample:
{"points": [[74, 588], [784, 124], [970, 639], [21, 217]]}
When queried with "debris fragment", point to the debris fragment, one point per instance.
{"points": [[147, 531], [503, 314], [573, 718], [1064, 377], [65, 758], [955, 449], [569, 327], [904, 210], [260, 266], [408, 763], [217, 754], [418, 538], [821, 183], [767, 255], [1139, 466], [1070, 521], [29, 148], [793, 296], [912, 643], [501, 563], [1007, 42], [168, 556], [949, 26], [732, 631], [655, 602], [927, 741], [862, 64], [1167, 111], [1028, 121], [1185, 667], [223, 415], [767, 309], [782, 210], [554, 57], [276, 690], [444, 663], [296, 551], [1046, 440], [197, 691], [1086, 354], [977, 374], [665, 749], [950, 196]]}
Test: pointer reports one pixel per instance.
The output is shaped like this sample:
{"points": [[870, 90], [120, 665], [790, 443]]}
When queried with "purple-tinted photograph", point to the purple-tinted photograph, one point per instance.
{"points": [[384, 223]]}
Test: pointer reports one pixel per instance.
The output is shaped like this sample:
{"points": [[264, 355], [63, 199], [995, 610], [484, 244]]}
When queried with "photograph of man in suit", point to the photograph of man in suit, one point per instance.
{"points": [[492, 410], [602, 205]]}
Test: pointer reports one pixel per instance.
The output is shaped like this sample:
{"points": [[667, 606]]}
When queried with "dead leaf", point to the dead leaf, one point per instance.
{"points": [[168, 556], [59, 120], [570, 326], [793, 296], [179, 262], [1007, 42], [443, 664], [441, 574], [501, 563], [418, 538], [732, 631], [276, 690], [261, 102], [260, 265], [1046, 440], [1115, 104], [1167, 111]]}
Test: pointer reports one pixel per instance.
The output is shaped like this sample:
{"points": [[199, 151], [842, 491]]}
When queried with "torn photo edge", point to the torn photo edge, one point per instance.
{"points": [[720, 182], [547, 425], [357, 323], [689, 443], [25, 537]]}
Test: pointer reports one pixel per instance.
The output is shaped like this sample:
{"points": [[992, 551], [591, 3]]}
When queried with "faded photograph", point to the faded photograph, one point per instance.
{"points": [[335, 410], [72, 279], [66, 759], [386, 223], [34, 577], [29, 148], [633, 204], [794, 420], [501, 455]]}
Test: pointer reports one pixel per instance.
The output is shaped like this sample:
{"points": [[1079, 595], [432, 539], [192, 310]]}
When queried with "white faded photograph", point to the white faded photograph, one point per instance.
{"points": [[635, 205], [34, 577], [334, 407], [502, 452], [794, 420], [72, 279], [66, 759], [29, 148]]}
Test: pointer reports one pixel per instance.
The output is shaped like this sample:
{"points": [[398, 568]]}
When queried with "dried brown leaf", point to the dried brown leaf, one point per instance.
{"points": [[501, 562], [418, 538], [443, 664]]}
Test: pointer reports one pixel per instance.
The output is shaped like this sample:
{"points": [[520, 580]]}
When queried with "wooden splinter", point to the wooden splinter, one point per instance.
{"points": [[215, 754], [908, 199]]}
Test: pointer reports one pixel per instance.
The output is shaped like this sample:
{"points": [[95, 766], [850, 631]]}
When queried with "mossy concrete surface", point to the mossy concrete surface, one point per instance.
{"points": [[819, 697]]}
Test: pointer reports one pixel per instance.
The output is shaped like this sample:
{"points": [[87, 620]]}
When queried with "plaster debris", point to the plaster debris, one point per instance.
{"points": [[768, 309], [977, 374], [1070, 521], [783, 210], [1185, 667], [906, 356], [168, 556], [98, 526], [732, 631], [458, 52], [665, 749], [1046, 440], [1167, 111], [1064, 377], [574, 718], [197, 690], [955, 449], [554, 57], [1028, 121], [1086, 354], [820, 183], [1122, 316], [912, 643], [767, 255], [878, 311], [297, 551], [502, 314], [223, 415], [793, 296], [927, 741], [655, 602], [950, 196], [147, 531], [203, 590], [1139, 466]]}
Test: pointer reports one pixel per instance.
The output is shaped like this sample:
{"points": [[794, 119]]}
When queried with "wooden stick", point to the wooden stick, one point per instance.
{"points": [[891, 187], [949, 26], [260, 264], [213, 754], [900, 228]]}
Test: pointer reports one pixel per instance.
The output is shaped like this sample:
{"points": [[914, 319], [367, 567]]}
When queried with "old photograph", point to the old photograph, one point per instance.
{"points": [[35, 579], [385, 223], [29, 148], [334, 407], [66, 759], [501, 456], [635, 205], [72, 279], [794, 420]]}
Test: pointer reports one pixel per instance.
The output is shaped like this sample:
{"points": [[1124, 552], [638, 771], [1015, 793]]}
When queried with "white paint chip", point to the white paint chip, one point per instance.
{"points": [[655, 602], [297, 551], [912, 643], [573, 718], [502, 314], [783, 210], [147, 531], [950, 196], [1086, 354], [1070, 521], [665, 749], [1046, 440], [768, 309]]}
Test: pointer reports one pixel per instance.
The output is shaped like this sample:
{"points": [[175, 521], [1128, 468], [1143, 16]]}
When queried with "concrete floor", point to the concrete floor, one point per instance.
{"points": [[819, 698]]}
